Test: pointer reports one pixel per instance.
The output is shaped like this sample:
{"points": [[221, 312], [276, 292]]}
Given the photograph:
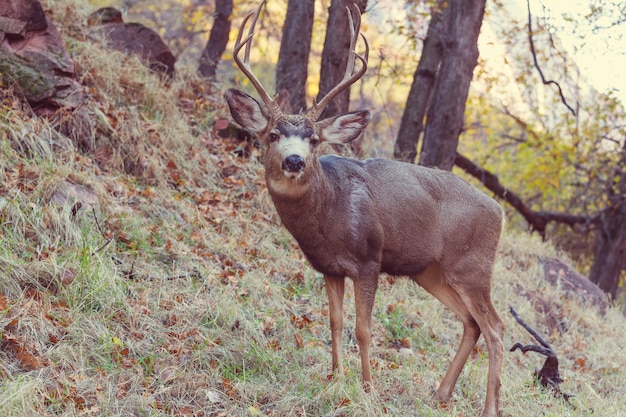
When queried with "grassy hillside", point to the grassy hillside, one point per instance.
{"points": [[173, 290]]}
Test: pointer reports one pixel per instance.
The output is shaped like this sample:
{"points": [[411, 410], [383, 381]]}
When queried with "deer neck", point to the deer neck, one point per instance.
{"points": [[303, 200]]}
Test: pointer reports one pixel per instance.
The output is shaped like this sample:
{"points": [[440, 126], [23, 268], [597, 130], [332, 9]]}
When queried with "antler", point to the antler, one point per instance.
{"points": [[348, 78], [271, 103]]}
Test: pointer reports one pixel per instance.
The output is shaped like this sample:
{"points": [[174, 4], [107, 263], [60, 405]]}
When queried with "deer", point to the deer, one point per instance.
{"points": [[358, 219]]}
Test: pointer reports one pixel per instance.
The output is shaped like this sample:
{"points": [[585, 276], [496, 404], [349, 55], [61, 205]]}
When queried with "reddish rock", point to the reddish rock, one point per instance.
{"points": [[133, 38], [557, 272], [33, 56], [105, 15]]}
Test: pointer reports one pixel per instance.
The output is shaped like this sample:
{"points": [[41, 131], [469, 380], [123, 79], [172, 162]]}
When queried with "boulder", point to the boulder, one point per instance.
{"points": [[32, 55], [133, 38], [557, 272]]}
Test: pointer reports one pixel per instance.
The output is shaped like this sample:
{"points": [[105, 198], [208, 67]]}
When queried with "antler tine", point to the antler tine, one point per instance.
{"points": [[246, 55], [354, 29], [244, 66], [348, 78]]}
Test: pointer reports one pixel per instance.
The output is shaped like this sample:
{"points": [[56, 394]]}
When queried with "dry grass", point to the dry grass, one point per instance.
{"points": [[200, 303]]}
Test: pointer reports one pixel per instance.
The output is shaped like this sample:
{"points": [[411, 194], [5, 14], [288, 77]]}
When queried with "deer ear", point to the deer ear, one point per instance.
{"points": [[246, 110], [343, 128]]}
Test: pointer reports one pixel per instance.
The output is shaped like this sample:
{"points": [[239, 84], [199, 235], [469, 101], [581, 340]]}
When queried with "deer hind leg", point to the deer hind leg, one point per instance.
{"points": [[478, 303], [335, 290], [470, 278], [432, 281]]}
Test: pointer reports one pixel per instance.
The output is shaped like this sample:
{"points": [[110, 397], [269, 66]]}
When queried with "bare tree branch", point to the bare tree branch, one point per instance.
{"points": [[534, 54], [538, 220]]}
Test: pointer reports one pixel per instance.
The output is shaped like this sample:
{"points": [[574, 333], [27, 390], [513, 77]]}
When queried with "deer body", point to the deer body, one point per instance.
{"points": [[359, 219], [399, 215]]}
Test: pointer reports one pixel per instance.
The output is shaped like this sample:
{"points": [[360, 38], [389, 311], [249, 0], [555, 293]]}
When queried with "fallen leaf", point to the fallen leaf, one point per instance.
{"points": [[300, 321], [123, 237], [214, 397], [580, 363], [299, 341], [274, 345], [229, 390], [67, 277], [29, 361], [254, 411], [25, 355], [34, 294], [344, 402]]}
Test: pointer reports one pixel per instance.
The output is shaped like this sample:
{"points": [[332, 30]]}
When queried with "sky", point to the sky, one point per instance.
{"points": [[600, 56]]}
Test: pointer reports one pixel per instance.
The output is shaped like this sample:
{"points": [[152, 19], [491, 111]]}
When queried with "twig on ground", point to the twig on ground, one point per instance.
{"points": [[193, 274], [548, 375], [108, 240]]}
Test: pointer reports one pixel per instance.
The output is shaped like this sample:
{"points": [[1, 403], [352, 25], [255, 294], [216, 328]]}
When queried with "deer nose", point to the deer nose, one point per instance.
{"points": [[293, 163]]}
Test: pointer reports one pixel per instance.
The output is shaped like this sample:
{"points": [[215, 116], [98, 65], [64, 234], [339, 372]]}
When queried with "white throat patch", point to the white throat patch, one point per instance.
{"points": [[286, 186]]}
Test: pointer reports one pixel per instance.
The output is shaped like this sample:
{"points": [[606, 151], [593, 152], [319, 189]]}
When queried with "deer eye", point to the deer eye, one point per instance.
{"points": [[273, 137], [314, 140]]}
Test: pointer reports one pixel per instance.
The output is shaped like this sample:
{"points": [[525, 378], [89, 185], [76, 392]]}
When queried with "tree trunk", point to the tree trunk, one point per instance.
{"points": [[412, 123], [218, 38], [447, 107], [335, 56], [609, 261], [291, 70]]}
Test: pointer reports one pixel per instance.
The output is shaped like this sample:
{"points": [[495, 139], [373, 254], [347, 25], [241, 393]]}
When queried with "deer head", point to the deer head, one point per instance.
{"points": [[292, 140]]}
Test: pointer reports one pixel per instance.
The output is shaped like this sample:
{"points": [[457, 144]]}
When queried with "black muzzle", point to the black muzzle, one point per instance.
{"points": [[293, 163]]}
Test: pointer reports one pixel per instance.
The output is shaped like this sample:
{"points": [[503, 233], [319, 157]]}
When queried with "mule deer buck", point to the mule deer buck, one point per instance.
{"points": [[358, 219]]}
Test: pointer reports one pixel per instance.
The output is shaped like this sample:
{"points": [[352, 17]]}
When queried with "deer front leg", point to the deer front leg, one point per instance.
{"points": [[364, 293], [335, 290]]}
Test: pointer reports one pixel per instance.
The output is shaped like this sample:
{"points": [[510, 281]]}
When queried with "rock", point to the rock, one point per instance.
{"points": [[82, 197], [405, 352], [105, 15], [133, 38], [550, 310], [556, 272], [214, 397], [33, 56], [21, 17]]}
